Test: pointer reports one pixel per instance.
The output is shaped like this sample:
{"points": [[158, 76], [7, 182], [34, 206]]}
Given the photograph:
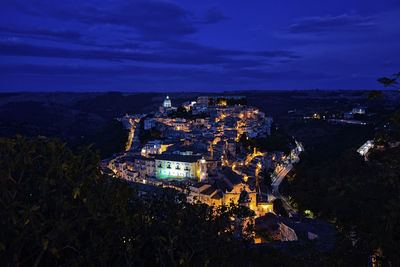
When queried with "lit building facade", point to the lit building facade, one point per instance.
{"points": [[175, 166]]}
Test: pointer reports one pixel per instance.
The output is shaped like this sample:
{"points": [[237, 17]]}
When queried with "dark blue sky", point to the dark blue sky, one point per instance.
{"points": [[177, 45]]}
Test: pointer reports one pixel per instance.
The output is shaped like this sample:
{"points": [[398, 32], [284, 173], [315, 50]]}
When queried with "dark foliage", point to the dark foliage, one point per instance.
{"points": [[148, 135], [279, 209], [277, 141], [361, 197], [114, 104], [109, 140], [58, 209]]}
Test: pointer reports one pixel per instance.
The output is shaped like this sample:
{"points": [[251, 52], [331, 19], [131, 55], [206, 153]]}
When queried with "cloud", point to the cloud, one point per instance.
{"points": [[19, 49], [185, 53], [67, 37], [281, 75], [85, 70], [184, 46], [212, 16], [151, 20], [342, 23], [45, 34], [154, 73], [159, 34]]}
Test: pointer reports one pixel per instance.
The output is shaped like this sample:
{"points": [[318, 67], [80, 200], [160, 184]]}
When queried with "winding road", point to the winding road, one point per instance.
{"points": [[277, 178]]}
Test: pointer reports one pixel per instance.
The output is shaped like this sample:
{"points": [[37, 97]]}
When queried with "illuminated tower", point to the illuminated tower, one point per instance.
{"points": [[167, 102], [203, 170]]}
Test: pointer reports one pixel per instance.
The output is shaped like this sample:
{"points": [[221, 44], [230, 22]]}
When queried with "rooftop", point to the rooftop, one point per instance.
{"points": [[233, 177], [179, 158], [218, 195], [208, 191], [198, 185]]}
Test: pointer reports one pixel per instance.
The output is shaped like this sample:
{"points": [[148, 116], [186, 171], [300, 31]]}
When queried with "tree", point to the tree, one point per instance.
{"points": [[58, 209], [278, 208], [361, 197], [110, 139], [390, 82], [54, 203]]}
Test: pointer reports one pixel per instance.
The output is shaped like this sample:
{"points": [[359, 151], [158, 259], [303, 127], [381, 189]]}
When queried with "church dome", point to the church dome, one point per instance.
{"points": [[167, 102]]}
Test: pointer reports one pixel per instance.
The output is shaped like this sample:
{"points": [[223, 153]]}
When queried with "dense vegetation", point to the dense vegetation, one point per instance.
{"points": [[147, 135], [361, 197], [181, 112], [110, 139], [56, 208], [79, 124], [278, 140]]}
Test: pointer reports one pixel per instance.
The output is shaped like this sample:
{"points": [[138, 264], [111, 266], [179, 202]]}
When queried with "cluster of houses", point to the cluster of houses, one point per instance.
{"points": [[199, 152]]}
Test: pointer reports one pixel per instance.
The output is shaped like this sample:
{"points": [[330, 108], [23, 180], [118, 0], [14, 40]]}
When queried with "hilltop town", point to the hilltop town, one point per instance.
{"points": [[189, 156], [208, 150]]}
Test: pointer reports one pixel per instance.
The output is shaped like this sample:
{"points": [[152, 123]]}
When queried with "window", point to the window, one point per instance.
{"points": [[178, 167], [168, 165], [186, 167]]}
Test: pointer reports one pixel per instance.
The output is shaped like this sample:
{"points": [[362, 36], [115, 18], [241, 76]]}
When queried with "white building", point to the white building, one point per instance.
{"points": [[363, 150], [176, 166], [153, 147], [167, 102]]}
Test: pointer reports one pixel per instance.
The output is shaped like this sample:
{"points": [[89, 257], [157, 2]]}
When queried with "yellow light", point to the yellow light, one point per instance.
{"points": [[267, 207], [245, 178]]}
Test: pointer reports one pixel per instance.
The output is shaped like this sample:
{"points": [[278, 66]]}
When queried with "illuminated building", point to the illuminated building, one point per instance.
{"points": [[144, 166], [167, 102], [358, 111], [316, 116], [203, 100], [205, 193], [153, 147], [180, 125], [264, 208], [363, 150], [203, 170], [222, 102], [188, 105], [175, 166]]}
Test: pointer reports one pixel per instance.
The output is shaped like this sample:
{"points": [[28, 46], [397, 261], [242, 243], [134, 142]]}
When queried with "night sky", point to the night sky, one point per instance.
{"points": [[197, 45]]}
